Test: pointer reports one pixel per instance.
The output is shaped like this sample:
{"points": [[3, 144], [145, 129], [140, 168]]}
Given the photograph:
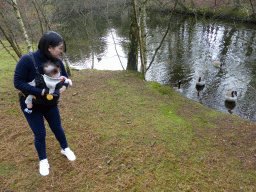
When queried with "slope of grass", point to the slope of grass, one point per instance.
{"points": [[128, 135]]}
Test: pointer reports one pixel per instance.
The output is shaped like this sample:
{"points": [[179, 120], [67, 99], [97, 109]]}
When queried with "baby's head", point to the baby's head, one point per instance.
{"points": [[51, 69]]}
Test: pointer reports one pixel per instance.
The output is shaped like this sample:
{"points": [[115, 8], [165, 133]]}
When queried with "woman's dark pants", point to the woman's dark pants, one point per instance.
{"points": [[36, 122]]}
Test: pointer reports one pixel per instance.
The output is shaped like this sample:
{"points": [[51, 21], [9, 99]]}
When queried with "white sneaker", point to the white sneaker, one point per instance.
{"points": [[44, 167], [69, 154]]}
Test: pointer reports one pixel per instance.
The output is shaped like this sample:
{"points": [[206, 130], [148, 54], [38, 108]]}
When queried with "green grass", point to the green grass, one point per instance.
{"points": [[128, 135], [6, 169], [7, 67]]}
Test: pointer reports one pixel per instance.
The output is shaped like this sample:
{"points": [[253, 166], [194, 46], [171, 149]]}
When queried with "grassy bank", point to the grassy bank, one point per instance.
{"points": [[128, 135], [223, 9]]}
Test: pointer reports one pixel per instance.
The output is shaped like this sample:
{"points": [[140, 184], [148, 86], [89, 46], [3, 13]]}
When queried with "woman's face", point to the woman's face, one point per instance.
{"points": [[56, 51]]}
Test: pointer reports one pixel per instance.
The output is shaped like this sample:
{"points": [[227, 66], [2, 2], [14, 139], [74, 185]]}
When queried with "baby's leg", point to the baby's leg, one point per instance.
{"points": [[29, 104]]}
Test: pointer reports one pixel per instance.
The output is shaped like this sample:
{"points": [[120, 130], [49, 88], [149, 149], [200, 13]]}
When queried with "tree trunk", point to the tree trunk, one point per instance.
{"points": [[133, 48], [66, 63], [143, 36], [23, 29], [92, 58]]}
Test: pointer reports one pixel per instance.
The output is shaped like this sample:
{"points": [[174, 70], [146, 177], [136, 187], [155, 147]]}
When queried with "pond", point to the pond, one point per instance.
{"points": [[188, 52]]}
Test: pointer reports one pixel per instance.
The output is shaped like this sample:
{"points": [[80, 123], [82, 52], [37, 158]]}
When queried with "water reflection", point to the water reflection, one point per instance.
{"points": [[230, 106], [112, 57], [188, 52], [194, 56]]}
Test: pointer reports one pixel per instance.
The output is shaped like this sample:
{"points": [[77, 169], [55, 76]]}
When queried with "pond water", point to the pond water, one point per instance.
{"points": [[187, 53]]}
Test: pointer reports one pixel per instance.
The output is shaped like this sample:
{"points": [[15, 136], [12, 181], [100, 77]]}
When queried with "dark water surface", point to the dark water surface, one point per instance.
{"points": [[188, 52]]}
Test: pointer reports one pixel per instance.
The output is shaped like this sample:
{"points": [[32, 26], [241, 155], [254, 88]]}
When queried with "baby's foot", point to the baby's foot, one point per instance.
{"points": [[28, 110]]}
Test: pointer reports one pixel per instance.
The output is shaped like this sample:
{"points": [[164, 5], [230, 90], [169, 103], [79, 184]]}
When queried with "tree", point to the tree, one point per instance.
{"points": [[132, 63], [23, 29], [7, 30], [143, 36], [136, 38]]}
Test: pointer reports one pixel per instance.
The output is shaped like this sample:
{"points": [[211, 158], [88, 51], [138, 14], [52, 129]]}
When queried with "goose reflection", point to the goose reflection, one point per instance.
{"points": [[230, 106]]}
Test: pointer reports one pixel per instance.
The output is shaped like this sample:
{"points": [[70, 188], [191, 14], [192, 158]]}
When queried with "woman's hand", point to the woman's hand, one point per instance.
{"points": [[63, 88]]}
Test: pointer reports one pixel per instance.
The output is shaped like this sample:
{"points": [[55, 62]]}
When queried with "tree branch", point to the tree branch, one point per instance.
{"points": [[11, 42], [139, 35], [168, 28], [252, 7], [42, 29], [116, 50], [18, 16], [8, 50]]}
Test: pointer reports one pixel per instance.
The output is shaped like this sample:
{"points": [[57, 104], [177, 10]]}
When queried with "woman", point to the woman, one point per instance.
{"points": [[50, 48]]}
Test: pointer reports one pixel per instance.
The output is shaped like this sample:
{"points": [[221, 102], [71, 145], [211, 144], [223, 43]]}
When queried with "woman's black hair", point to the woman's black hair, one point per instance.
{"points": [[53, 39]]}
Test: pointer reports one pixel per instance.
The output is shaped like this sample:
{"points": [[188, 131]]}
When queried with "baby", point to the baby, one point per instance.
{"points": [[51, 78]]}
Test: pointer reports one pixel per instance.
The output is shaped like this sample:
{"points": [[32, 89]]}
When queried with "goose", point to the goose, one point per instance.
{"points": [[200, 84], [231, 96], [178, 89], [200, 81], [217, 64]]}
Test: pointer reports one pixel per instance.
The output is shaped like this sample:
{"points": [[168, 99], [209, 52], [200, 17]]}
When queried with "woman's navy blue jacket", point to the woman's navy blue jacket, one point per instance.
{"points": [[25, 72]]}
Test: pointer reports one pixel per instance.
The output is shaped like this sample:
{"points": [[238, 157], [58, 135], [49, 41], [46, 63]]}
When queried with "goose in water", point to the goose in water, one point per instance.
{"points": [[217, 64], [200, 81], [178, 89], [231, 96], [200, 84]]}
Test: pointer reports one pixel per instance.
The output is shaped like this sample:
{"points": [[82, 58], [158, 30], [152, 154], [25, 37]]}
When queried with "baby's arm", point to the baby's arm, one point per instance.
{"points": [[33, 83], [66, 80], [29, 98], [28, 101]]}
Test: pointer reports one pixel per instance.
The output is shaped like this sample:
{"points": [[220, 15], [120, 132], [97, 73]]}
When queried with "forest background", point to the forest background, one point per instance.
{"points": [[39, 16]]}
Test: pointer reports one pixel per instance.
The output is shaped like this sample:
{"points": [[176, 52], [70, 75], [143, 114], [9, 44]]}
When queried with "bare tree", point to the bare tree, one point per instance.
{"points": [[7, 30], [23, 29], [43, 11], [143, 35], [167, 31], [137, 38], [8, 51], [132, 63], [38, 15], [9, 35]]}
